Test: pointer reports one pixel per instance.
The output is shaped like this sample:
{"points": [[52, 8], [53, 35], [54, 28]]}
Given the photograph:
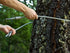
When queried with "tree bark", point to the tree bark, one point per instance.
{"points": [[49, 35]]}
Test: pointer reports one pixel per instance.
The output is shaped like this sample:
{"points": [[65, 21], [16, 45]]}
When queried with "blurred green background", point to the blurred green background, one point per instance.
{"points": [[20, 42]]}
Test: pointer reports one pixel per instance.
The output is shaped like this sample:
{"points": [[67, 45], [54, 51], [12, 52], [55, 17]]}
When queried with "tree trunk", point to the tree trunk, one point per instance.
{"points": [[49, 35]]}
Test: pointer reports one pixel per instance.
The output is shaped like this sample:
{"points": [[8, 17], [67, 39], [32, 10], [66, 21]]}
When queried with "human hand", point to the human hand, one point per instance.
{"points": [[7, 29], [30, 13]]}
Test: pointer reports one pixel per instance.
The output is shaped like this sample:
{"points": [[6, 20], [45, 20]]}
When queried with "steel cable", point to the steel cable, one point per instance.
{"points": [[9, 34]]}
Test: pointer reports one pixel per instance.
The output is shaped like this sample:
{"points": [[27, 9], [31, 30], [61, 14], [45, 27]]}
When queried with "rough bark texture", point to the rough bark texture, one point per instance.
{"points": [[51, 36]]}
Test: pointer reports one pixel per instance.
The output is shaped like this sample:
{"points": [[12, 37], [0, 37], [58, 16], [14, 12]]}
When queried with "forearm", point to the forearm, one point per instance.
{"points": [[28, 12], [14, 4]]}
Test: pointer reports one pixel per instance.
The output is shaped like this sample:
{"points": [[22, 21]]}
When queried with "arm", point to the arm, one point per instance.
{"points": [[29, 13]]}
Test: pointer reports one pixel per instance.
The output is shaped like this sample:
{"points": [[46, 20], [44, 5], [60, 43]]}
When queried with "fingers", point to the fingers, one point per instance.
{"points": [[30, 14], [36, 16], [11, 29], [7, 29], [13, 33], [32, 17]]}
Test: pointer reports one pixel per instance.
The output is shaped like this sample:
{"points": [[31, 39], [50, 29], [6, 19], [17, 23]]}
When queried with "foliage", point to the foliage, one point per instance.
{"points": [[18, 43]]}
